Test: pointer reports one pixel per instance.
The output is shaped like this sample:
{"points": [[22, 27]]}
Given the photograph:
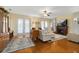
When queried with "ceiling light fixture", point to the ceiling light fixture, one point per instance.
{"points": [[46, 13]]}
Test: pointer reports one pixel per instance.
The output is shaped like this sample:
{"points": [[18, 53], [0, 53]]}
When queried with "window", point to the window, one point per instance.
{"points": [[23, 26], [5, 24], [27, 26], [20, 26], [44, 25]]}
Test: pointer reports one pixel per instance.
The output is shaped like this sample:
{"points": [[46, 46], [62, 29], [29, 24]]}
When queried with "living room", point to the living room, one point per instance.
{"points": [[59, 28]]}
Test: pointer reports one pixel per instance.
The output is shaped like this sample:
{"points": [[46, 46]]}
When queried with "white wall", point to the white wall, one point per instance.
{"points": [[75, 23], [75, 27], [74, 35]]}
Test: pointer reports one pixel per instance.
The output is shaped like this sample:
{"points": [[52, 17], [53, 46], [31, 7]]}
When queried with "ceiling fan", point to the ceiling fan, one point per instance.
{"points": [[47, 13]]}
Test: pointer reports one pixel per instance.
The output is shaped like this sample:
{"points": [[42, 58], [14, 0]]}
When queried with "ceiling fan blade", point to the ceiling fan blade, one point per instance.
{"points": [[48, 14]]}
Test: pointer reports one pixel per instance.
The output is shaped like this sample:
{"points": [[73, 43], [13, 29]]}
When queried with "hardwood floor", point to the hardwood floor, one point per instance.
{"points": [[59, 46]]}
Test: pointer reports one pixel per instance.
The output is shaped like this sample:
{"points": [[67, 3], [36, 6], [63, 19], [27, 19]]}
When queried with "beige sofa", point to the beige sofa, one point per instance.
{"points": [[73, 37]]}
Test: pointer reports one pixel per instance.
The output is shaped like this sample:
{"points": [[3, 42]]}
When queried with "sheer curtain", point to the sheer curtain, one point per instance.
{"points": [[23, 26], [20, 26], [27, 26], [44, 25]]}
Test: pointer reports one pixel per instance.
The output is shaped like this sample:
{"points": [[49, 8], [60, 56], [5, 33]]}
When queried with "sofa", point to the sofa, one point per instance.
{"points": [[73, 37]]}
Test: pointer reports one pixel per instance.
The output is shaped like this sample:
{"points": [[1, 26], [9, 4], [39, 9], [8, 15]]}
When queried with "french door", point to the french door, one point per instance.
{"points": [[23, 26], [44, 25]]}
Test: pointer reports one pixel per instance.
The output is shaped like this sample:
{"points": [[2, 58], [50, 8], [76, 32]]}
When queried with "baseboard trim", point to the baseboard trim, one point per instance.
{"points": [[73, 42]]}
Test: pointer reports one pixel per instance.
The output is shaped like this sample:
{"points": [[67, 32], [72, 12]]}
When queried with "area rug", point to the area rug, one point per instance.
{"points": [[17, 44], [58, 37]]}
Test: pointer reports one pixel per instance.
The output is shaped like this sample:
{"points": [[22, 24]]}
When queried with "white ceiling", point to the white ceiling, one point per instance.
{"points": [[37, 10]]}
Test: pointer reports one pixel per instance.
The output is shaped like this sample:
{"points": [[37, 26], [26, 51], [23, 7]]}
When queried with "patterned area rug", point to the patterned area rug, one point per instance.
{"points": [[17, 44], [58, 37]]}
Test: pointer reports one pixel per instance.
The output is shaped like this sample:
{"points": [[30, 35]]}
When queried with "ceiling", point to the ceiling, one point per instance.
{"points": [[37, 10]]}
